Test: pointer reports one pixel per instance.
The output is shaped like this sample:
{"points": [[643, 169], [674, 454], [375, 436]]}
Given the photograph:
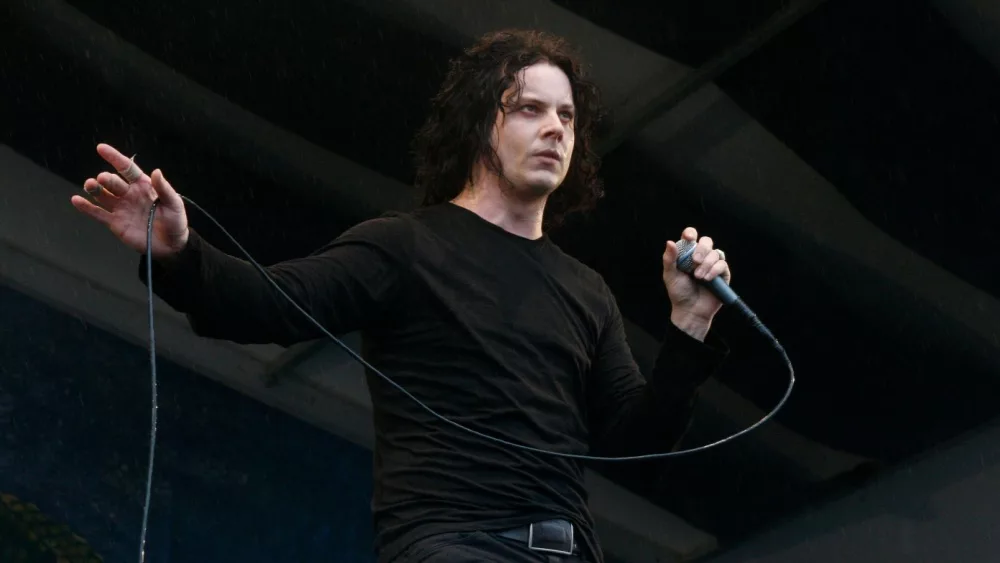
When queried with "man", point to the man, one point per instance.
{"points": [[467, 304]]}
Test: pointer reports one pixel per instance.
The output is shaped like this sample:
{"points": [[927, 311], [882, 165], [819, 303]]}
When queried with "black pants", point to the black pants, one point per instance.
{"points": [[476, 547]]}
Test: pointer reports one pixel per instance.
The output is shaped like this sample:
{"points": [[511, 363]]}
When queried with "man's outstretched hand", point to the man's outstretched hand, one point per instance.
{"points": [[122, 201]]}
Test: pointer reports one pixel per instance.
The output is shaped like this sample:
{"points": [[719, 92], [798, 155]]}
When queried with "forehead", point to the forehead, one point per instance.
{"points": [[546, 82]]}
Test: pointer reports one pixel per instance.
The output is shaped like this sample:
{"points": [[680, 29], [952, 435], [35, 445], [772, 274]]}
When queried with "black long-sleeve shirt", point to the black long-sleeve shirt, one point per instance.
{"points": [[506, 335]]}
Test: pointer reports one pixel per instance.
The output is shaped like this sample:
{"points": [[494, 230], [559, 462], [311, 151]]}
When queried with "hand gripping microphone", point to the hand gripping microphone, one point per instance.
{"points": [[718, 286], [721, 289]]}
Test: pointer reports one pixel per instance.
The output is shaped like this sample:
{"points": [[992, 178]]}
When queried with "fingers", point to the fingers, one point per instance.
{"points": [[703, 249], [712, 267], [708, 262], [720, 268], [105, 189], [104, 197], [87, 208], [113, 183], [125, 166], [670, 253], [165, 191], [95, 189]]}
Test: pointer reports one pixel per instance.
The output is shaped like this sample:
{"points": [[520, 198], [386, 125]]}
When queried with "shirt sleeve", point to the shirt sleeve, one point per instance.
{"points": [[631, 415], [346, 285]]}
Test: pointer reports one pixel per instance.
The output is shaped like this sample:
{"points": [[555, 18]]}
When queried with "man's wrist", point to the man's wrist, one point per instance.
{"points": [[694, 326]]}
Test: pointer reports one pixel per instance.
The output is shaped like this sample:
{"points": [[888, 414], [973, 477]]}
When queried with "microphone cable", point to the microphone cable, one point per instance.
{"points": [[739, 304]]}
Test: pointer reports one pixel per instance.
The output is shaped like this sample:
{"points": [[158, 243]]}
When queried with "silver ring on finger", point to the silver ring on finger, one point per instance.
{"points": [[722, 255]]}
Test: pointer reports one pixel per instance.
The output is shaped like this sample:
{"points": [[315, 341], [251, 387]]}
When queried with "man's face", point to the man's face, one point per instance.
{"points": [[534, 138]]}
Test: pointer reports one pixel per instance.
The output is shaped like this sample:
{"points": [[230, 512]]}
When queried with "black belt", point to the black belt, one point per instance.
{"points": [[548, 536]]}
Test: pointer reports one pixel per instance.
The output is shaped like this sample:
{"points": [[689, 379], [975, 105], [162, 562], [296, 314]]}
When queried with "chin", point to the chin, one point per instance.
{"points": [[539, 187]]}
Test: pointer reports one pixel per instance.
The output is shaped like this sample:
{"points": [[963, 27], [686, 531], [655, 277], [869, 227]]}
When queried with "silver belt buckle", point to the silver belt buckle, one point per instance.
{"points": [[531, 541]]}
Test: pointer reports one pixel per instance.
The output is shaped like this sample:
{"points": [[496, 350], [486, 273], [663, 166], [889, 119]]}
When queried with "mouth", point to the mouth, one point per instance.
{"points": [[551, 155]]}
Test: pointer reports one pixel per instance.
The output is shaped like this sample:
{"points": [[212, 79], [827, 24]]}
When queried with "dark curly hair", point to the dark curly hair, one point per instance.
{"points": [[458, 129]]}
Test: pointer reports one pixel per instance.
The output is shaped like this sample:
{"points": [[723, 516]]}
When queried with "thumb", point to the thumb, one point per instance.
{"points": [[670, 254], [164, 190]]}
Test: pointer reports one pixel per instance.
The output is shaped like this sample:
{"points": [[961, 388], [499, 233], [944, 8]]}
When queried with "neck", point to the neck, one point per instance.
{"points": [[486, 198]]}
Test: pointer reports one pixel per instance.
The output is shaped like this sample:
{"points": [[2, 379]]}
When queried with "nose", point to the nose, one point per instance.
{"points": [[553, 127]]}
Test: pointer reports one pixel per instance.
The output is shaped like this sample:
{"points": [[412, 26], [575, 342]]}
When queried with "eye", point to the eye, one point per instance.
{"points": [[567, 115], [531, 108]]}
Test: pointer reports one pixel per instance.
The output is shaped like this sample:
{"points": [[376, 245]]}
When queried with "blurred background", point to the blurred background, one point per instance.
{"points": [[844, 153]]}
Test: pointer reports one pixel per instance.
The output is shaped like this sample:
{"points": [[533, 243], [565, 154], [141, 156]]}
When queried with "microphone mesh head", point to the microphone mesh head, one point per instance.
{"points": [[685, 255]]}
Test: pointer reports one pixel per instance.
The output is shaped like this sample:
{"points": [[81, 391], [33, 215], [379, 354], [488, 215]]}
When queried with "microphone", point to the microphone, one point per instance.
{"points": [[718, 286]]}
